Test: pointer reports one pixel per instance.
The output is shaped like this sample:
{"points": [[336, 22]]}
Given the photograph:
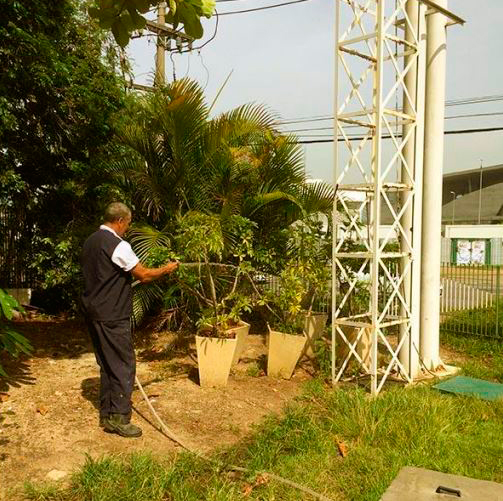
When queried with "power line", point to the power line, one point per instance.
{"points": [[262, 8], [472, 115], [455, 102], [360, 138]]}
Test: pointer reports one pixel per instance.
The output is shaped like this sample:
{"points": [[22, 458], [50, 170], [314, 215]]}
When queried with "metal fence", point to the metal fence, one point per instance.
{"points": [[267, 282], [16, 252], [471, 300]]}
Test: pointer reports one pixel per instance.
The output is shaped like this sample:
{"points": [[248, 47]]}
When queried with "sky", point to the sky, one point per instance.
{"points": [[284, 58]]}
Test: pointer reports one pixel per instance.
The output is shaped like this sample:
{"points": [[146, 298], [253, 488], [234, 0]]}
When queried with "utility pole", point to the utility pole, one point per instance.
{"points": [[165, 34], [480, 191], [160, 59]]}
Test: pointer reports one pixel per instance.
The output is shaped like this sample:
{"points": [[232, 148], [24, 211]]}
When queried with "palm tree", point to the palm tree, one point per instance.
{"points": [[178, 159]]}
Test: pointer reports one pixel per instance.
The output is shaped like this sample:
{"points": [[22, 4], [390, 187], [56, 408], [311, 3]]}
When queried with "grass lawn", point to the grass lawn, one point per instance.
{"points": [[402, 427]]}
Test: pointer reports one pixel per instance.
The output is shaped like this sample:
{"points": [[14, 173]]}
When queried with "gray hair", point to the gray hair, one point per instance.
{"points": [[116, 211]]}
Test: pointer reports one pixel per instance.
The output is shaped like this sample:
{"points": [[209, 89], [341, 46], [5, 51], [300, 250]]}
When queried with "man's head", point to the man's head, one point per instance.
{"points": [[118, 217]]}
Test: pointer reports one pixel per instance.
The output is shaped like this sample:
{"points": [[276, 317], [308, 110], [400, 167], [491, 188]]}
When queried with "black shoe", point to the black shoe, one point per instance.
{"points": [[119, 423]]}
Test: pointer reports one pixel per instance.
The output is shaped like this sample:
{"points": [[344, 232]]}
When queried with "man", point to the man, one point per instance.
{"points": [[108, 263]]}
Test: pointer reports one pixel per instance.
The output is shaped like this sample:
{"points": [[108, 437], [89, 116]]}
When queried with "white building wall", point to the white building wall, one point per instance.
{"points": [[496, 251], [477, 231], [445, 250]]}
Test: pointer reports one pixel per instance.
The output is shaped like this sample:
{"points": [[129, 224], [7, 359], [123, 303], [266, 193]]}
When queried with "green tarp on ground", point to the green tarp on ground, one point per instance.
{"points": [[463, 385]]}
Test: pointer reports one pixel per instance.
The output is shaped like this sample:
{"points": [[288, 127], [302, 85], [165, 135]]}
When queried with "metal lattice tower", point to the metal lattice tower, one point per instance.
{"points": [[379, 145]]}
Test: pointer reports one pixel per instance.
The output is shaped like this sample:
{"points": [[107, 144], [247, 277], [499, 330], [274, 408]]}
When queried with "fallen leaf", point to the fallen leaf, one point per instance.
{"points": [[343, 449], [42, 409], [246, 490], [4, 397], [262, 479]]}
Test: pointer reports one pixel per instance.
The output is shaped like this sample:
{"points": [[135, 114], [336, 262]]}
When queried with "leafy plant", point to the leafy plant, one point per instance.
{"points": [[10, 341], [180, 160], [305, 277], [125, 16], [57, 106], [286, 301], [220, 288], [309, 250], [57, 263]]}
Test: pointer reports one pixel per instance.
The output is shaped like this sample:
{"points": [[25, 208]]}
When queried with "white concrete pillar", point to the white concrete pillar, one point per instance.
{"points": [[432, 183], [410, 81]]}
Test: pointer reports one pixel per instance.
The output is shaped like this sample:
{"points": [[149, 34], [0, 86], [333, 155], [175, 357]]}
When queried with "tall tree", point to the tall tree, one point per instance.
{"points": [[59, 90]]}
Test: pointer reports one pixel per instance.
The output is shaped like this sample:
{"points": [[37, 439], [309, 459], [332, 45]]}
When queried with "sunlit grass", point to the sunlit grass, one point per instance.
{"points": [[415, 426]]}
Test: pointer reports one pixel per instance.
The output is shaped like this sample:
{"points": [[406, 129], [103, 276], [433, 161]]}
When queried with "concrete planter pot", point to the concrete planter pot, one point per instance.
{"points": [[284, 351], [363, 347], [241, 335], [214, 360], [314, 325]]}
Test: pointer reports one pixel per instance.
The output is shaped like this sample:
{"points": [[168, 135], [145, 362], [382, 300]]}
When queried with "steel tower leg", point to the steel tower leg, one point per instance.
{"points": [[378, 328]]}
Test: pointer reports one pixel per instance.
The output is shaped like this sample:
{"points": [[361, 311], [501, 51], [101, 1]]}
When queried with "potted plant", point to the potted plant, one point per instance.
{"points": [[218, 287], [309, 251], [286, 339]]}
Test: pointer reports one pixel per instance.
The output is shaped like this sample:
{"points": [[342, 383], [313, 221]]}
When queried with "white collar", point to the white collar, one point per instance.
{"points": [[105, 227]]}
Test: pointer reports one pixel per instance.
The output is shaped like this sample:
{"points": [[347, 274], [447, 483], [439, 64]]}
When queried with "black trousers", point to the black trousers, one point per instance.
{"points": [[113, 347]]}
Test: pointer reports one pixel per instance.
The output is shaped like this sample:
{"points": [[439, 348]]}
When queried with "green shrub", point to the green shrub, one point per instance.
{"points": [[10, 341]]}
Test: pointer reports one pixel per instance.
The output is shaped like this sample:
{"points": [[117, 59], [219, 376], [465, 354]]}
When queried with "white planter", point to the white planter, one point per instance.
{"points": [[314, 325], [214, 359], [241, 335], [284, 351]]}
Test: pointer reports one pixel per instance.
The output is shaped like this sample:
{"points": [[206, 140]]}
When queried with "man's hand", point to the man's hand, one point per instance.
{"points": [[171, 267], [145, 275]]}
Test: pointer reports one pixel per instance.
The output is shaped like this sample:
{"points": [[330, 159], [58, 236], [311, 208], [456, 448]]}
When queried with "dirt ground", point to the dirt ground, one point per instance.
{"points": [[48, 409], [49, 406]]}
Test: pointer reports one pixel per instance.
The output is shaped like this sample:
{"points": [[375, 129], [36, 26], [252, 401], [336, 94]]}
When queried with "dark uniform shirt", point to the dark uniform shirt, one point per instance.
{"points": [[107, 291]]}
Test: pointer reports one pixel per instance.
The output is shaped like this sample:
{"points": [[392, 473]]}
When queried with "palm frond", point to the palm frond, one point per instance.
{"points": [[144, 298], [317, 197], [144, 238]]}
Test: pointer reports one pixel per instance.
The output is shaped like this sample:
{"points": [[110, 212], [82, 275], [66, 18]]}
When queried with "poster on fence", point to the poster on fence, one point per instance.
{"points": [[471, 252]]}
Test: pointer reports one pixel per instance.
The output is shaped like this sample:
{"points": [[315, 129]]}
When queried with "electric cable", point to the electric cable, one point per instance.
{"points": [[474, 115], [262, 8], [207, 41], [173, 64], [206, 69], [360, 138], [188, 66], [454, 102]]}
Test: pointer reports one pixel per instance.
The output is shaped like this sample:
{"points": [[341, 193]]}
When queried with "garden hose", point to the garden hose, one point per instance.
{"points": [[169, 433]]}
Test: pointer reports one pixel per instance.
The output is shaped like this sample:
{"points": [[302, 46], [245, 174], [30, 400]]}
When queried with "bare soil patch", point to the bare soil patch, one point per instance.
{"points": [[49, 416]]}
